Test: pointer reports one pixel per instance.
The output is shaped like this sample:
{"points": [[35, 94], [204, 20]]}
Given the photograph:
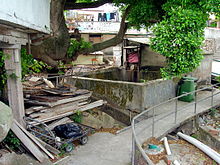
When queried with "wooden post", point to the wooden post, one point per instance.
{"points": [[15, 89]]}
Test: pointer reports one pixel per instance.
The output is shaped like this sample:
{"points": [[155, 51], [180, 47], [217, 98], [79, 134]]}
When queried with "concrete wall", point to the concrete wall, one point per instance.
{"points": [[214, 33], [32, 14], [88, 59], [129, 95], [151, 58], [204, 71], [85, 37]]}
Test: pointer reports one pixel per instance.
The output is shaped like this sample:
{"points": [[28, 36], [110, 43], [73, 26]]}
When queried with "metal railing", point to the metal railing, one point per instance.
{"points": [[144, 124]]}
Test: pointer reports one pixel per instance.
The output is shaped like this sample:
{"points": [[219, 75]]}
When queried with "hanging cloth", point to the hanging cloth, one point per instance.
{"points": [[133, 58], [108, 16]]}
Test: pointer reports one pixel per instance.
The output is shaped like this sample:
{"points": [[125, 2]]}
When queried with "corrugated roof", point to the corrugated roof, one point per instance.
{"points": [[140, 40]]}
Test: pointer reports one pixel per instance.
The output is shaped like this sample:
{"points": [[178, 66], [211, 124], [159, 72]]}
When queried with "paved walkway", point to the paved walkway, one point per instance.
{"points": [[108, 149]]}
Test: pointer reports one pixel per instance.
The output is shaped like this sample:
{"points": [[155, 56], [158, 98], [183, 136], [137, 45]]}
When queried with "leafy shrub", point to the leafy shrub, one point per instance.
{"points": [[12, 141], [77, 117], [76, 46], [180, 40], [29, 64]]}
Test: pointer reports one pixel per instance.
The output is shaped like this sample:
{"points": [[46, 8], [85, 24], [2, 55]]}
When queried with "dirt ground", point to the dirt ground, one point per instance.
{"points": [[182, 151]]}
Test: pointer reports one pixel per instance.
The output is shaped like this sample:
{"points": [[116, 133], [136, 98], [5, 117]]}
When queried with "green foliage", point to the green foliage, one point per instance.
{"points": [[12, 141], [218, 78], [179, 32], [213, 112], [77, 117], [12, 75], [29, 64], [143, 13], [179, 38], [195, 136], [3, 76], [213, 24], [76, 46], [63, 149], [211, 6]]}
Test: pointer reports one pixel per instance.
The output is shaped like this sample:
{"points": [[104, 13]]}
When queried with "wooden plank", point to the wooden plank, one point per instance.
{"points": [[56, 123], [49, 83], [82, 108], [48, 147], [91, 105], [34, 109], [56, 111], [52, 118], [62, 101], [34, 140], [55, 108], [28, 143]]}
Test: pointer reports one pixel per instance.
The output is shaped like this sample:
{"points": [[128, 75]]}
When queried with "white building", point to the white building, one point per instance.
{"points": [[19, 19]]}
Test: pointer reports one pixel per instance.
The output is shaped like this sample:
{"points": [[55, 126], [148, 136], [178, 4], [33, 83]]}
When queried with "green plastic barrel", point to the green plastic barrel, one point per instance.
{"points": [[187, 85]]}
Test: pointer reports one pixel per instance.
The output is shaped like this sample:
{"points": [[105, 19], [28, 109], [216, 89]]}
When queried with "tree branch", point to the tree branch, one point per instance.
{"points": [[114, 41], [70, 4]]}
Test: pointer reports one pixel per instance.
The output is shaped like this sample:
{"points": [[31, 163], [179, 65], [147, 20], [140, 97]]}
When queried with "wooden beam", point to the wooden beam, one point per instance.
{"points": [[56, 123], [15, 89], [34, 140], [82, 108], [59, 102], [28, 143], [91, 105], [48, 147]]}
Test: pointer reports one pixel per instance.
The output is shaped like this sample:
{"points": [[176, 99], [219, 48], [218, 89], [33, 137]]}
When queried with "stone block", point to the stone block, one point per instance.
{"points": [[5, 120]]}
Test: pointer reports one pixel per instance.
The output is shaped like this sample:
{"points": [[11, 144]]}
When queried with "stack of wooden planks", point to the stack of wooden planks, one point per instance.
{"points": [[50, 103]]}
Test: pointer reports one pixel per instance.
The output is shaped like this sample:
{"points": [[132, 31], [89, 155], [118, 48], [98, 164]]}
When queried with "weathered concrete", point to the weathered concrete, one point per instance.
{"points": [[129, 95], [38, 17], [98, 120], [151, 58], [204, 71], [17, 159], [15, 90], [214, 33], [207, 138], [5, 120]]}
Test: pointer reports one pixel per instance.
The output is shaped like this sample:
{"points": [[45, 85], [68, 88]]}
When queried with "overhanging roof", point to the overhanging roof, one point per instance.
{"points": [[140, 40]]}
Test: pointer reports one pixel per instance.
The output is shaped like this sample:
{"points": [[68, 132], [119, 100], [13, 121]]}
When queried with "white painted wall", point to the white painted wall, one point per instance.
{"points": [[212, 33], [33, 14]]}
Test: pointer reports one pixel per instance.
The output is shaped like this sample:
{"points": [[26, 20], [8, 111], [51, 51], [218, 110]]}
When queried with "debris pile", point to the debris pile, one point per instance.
{"points": [[47, 107], [211, 122], [83, 69], [46, 102], [181, 151]]}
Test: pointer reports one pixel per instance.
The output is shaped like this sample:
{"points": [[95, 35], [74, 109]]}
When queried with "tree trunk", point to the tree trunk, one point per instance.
{"points": [[55, 46]]}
